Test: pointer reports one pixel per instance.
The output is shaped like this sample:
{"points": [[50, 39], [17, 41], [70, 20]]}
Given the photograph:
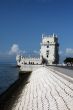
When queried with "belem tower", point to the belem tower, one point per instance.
{"points": [[48, 51]]}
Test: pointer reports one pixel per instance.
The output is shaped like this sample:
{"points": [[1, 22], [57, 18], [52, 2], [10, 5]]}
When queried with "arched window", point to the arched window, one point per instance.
{"points": [[47, 56], [47, 41], [47, 46]]}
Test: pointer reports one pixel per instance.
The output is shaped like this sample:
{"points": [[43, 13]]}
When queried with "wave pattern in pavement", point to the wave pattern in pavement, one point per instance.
{"points": [[45, 90]]}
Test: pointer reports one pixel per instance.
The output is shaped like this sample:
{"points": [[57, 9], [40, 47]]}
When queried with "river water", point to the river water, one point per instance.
{"points": [[8, 75]]}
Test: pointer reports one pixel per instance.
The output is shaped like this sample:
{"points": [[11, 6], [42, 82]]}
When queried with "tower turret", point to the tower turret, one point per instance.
{"points": [[49, 49]]}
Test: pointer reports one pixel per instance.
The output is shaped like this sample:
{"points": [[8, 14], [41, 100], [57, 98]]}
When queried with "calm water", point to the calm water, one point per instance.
{"points": [[8, 75]]}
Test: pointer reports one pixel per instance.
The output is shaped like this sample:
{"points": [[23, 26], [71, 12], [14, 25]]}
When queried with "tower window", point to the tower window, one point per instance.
{"points": [[47, 46], [47, 41], [47, 56], [47, 52]]}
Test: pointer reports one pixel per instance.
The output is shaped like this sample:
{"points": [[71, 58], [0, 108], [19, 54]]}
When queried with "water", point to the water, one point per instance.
{"points": [[8, 75]]}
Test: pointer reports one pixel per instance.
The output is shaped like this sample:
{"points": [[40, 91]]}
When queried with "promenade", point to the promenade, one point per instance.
{"points": [[45, 90]]}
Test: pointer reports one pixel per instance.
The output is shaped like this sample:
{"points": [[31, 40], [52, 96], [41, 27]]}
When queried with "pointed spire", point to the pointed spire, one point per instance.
{"points": [[53, 35]]}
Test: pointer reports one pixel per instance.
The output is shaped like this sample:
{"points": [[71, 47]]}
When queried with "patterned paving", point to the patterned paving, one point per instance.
{"points": [[45, 90]]}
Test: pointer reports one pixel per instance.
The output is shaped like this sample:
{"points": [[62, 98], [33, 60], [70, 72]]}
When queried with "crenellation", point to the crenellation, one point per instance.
{"points": [[49, 51]]}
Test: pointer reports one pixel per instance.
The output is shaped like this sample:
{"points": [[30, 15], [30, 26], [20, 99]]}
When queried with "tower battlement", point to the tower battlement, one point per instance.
{"points": [[49, 48], [49, 51]]}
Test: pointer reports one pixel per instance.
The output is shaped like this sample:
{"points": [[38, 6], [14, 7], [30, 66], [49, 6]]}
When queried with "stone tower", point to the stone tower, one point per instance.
{"points": [[49, 49]]}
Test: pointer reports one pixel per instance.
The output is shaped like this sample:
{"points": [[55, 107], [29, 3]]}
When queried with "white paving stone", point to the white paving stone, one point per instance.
{"points": [[45, 91]]}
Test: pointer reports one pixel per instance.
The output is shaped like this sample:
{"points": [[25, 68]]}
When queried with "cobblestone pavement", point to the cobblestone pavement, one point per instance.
{"points": [[45, 90]]}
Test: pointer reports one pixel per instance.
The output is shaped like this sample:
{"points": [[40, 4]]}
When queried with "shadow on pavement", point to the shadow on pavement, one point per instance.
{"points": [[8, 98]]}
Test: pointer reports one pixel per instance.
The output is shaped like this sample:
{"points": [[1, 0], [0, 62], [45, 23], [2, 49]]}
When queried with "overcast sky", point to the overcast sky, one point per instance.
{"points": [[22, 22]]}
